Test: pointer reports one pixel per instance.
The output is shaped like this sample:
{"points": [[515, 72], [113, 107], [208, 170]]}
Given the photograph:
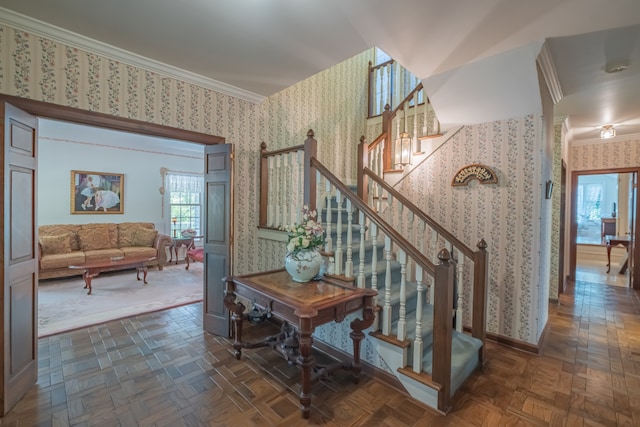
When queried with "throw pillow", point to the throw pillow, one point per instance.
{"points": [[56, 244], [92, 239], [126, 236], [144, 237]]}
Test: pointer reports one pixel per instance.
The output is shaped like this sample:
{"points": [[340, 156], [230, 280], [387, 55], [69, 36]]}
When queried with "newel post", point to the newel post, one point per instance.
{"points": [[310, 187], [442, 328], [363, 162], [264, 184], [480, 281]]}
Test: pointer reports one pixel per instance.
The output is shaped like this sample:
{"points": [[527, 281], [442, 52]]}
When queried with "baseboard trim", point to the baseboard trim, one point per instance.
{"points": [[514, 343]]}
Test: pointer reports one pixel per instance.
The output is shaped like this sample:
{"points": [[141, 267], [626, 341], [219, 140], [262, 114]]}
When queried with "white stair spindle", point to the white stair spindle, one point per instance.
{"points": [[329, 240], [460, 300], [278, 208], [402, 321], [338, 251], [418, 345], [416, 138], [348, 266], [374, 270], [300, 173], [363, 231], [411, 226], [386, 318], [320, 199], [271, 194], [286, 190]]}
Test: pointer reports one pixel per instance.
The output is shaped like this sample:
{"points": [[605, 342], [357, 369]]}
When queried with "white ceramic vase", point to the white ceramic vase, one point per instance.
{"points": [[303, 266]]}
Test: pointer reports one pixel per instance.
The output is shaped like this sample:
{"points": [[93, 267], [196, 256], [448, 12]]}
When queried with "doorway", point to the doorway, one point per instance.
{"points": [[603, 223], [20, 345]]}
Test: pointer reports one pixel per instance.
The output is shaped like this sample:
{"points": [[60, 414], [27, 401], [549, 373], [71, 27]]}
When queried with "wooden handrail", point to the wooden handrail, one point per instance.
{"points": [[396, 237], [467, 251]]}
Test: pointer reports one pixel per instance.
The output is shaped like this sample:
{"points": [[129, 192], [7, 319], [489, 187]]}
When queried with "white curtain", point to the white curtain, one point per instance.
{"points": [[185, 183]]}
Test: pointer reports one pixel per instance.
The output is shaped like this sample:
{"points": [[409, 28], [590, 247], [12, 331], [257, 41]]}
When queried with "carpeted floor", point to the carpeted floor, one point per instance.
{"points": [[64, 305]]}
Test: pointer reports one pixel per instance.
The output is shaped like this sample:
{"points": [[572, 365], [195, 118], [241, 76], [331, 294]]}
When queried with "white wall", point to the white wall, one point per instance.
{"points": [[63, 147]]}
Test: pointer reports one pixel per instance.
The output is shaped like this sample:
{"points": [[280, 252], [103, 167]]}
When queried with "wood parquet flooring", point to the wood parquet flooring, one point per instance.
{"points": [[161, 369]]}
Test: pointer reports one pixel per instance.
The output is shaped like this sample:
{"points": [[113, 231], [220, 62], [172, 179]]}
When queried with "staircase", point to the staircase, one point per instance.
{"points": [[431, 288], [415, 267]]}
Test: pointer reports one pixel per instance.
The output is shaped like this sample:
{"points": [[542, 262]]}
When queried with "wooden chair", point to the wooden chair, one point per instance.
{"points": [[195, 254]]}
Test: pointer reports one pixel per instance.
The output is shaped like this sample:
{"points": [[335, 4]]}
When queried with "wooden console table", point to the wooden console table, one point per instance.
{"points": [[301, 307], [612, 241]]}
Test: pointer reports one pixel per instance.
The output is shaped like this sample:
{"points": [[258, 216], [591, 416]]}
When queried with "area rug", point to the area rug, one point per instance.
{"points": [[64, 305]]}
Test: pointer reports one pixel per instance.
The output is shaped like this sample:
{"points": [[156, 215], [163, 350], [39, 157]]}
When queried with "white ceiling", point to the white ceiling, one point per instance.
{"points": [[264, 46]]}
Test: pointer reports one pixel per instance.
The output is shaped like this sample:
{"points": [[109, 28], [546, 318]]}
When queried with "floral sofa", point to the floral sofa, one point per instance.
{"points": [[70, 244]]}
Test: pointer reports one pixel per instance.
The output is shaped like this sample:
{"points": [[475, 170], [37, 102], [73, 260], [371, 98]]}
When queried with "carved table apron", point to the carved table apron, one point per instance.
{"points": [[302, 307]]}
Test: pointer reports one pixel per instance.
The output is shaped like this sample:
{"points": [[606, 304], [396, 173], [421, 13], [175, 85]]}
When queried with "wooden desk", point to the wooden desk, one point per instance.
{"points": [[612, 241], [301, 307]]}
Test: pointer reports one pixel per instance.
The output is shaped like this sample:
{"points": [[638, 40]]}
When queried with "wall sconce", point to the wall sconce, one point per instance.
{"points": [[608, 131], [548, 189]]}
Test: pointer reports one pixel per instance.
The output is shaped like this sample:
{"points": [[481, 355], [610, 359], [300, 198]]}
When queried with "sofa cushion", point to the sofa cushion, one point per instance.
{"points": [[144, 237], [137, 252], [48, 262], [56, 244]]}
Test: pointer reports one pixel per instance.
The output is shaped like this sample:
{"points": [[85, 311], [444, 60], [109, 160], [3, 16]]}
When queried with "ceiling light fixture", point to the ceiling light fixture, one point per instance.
{"points": [[607, 132]]}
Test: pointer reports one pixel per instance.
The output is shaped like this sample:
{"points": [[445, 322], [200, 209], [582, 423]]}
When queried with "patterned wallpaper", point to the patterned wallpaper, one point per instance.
{"points": [[618, 153], [506, 215], [554, 277], [333, 104]]}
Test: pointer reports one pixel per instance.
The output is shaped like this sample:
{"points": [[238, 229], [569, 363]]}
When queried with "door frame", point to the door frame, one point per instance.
{"points": [[573, 228], [74, 115]]}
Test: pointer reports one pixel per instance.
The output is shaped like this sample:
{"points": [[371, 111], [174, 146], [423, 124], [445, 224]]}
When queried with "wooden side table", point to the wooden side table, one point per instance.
{"points": [[178, 242], [301, 307]]}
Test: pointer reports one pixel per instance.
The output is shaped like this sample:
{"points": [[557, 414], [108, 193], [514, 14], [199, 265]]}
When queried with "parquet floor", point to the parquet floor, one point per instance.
{"points": [[160, 369]]}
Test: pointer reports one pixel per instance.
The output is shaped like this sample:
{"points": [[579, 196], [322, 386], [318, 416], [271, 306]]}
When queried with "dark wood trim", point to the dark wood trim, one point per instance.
{"points": [[92, 118], [562, 231], [573, 227], [514, 343]]}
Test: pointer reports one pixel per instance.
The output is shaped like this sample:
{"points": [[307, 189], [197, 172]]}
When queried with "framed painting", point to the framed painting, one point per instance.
{"points": [[97, 193]]}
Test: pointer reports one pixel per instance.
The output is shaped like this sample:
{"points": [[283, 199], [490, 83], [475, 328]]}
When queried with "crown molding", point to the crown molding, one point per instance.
{"points": [[43, 29], [548, 68]]}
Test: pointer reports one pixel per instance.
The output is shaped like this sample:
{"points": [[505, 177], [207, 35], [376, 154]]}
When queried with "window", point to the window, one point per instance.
{"points": [[185, 203]]}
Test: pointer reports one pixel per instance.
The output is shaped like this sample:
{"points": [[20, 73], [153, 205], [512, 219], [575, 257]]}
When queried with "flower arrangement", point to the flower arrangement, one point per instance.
{"points": [[308, 235], [189, 232]]}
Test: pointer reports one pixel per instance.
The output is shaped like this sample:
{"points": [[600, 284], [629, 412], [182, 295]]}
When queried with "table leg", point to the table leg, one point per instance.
{"points": [[306, 362], [87, 281], [175, 248], [237, 314], [144, 269], [171, 247], [357, 326], [608, 258]]}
